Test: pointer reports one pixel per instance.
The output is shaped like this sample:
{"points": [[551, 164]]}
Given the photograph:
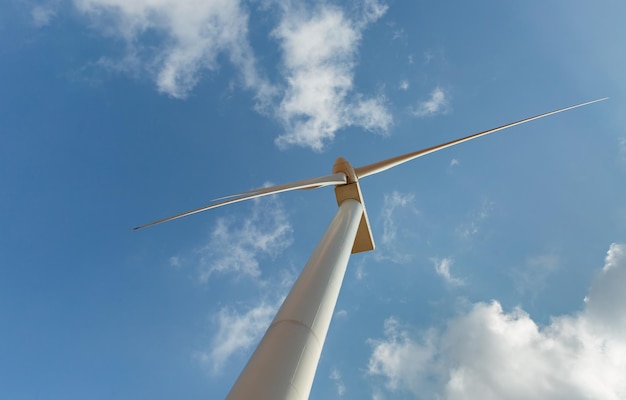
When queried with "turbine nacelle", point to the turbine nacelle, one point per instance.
{"points": [[364, 240]]}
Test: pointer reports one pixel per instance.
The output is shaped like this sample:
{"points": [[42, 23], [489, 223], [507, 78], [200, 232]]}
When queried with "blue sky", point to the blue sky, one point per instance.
{"points": [[499, 263]]}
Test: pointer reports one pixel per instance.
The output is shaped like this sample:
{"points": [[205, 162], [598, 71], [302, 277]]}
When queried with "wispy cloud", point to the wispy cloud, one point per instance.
{"points": [[319, 55], [489, 353], [42, 14], [402, 360], [238, 327], [175, 262], [237, 244], [404, 85], [313, 97], [191, 35], [442, 267], [531, 277], [437, 103], [428, 57], [236, 332], [394, 203], [474, 221], [335, 376]]}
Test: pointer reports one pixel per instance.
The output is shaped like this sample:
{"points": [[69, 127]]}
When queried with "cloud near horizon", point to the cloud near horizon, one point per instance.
{"points": [[488, 353]]}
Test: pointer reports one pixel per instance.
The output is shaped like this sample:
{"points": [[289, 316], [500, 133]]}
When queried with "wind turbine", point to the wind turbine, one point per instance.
{"points": [[284, 363]]}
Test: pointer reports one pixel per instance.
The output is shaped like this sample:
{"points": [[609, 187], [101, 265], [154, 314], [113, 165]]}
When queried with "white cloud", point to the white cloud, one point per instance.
{"points": [[236, 332], [191, 34], [403, 361], [335, 376], [319, 50], [404, 85], [442, 267], [237, 244], [606, 302], [454, 162], [438, 103], [177, 41], [487, 353]]}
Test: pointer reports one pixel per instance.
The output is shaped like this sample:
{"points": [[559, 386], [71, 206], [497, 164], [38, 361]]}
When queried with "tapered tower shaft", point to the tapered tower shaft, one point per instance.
{"points": [[284, 363]]}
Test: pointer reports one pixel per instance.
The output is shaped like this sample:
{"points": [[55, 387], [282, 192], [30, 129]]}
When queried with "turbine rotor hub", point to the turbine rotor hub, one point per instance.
{"points": [[342, 165]]}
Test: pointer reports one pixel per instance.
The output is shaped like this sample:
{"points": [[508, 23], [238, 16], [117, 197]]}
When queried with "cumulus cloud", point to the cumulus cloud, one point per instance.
{"points": [[606, 301], [237, 244], [319, 49], [189, 34], [437, 103], [177, 41], [487, 353], [442, 267], [237, 332], [399, 358]]}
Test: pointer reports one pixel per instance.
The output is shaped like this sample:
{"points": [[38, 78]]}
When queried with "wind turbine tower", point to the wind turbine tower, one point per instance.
{"points": [[284, 363]]}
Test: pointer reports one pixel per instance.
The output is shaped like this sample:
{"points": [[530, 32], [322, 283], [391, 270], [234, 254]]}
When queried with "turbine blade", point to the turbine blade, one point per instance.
{"points": [[312, 183], [381, 166]]}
